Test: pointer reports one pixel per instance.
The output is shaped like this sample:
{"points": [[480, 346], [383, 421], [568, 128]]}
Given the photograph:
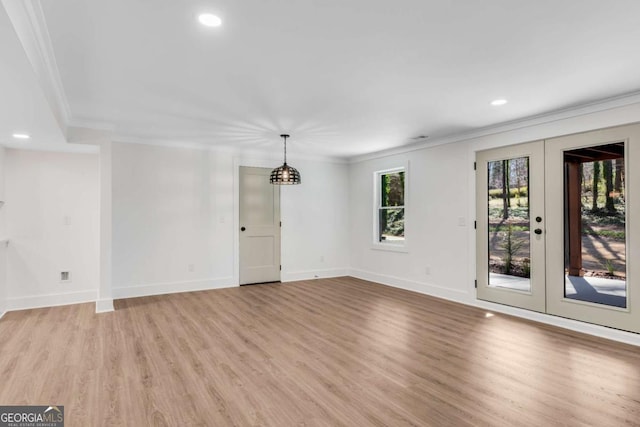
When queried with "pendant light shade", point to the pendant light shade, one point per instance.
{"points": [[285, 174]]}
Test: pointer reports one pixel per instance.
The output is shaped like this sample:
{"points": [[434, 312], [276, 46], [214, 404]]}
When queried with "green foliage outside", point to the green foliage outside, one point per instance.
{"points": [[508, 227], [391, 223], [392, 194], [508, 209], [602, 217], [514, 193], [517, 213], [511, 245]]}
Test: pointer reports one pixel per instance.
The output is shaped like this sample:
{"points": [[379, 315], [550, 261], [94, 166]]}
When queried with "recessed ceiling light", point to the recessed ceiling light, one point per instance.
{"points": [[209, 20], [498, 102], [21, 136]]}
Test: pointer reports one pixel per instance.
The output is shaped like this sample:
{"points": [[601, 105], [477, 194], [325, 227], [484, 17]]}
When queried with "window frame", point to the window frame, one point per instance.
{"points": [[389, 245]]}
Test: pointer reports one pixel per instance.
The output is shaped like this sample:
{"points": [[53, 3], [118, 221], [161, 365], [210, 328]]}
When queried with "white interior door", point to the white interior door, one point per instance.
{"points": [[591, 244], [510, 235], [259, 227]]}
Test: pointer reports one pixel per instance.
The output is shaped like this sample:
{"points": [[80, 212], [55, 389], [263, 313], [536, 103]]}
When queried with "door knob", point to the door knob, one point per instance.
{"points": [[537, 231], [243, 228]]}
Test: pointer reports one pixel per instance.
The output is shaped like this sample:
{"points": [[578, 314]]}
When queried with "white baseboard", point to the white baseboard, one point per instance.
{"points": [[52, 300], [134, 291], [411, 285], [561, 322], [467, 299], [104, 305], [313, 274], [2, 314]]}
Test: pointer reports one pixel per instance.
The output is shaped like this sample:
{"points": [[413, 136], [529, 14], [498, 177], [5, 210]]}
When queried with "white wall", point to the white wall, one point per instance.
{"points": [[441, 193], [432, 231], [315, 222], [176, 207], [3, 236], [52, 223], [172, 208]]}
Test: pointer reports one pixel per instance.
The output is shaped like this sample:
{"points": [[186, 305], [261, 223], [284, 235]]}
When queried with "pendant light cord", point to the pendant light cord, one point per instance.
{"points": [[285, 148]]}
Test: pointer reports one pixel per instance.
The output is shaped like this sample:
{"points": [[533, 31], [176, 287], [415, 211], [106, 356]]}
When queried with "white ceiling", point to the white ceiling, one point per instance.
{"points": [[343, 77]]}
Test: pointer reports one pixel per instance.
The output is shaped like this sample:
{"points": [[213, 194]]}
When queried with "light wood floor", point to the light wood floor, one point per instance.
{"points": [[326, 352]]}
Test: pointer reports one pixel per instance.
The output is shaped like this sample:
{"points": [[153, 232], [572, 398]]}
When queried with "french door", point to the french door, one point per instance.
{"points": [[555, 226], [510, 225]]}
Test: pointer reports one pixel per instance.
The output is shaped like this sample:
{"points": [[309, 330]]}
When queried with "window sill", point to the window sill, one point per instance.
{"points": [[389, 247]]}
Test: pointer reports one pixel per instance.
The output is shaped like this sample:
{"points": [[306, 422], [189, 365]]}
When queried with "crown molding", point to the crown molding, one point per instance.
{"points": [[224, 148], [81, 122], [30, 25], [86, 135], [123, 136], [554, 116]]}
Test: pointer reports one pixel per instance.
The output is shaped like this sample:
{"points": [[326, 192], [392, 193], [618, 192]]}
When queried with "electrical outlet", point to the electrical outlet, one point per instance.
{"points": [[65, 276], [322, 258], [191, 268], [427, 270]]}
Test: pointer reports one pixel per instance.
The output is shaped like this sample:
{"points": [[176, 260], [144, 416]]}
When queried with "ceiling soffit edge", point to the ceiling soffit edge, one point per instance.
{"points": [[29, 24]]}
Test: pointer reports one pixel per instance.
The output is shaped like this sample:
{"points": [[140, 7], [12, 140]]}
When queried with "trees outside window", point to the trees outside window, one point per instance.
{"points": [[390, 206]]}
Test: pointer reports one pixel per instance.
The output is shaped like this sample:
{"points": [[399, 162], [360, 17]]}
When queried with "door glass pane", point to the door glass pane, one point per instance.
{"points": [[594, 224], [509, 223]]}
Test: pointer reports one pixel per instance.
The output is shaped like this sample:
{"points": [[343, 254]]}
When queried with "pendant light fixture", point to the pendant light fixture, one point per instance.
{"points": [[285, 174]]}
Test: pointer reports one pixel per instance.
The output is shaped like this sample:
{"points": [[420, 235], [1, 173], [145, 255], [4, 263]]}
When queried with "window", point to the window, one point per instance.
{"points": [[390, 205]]}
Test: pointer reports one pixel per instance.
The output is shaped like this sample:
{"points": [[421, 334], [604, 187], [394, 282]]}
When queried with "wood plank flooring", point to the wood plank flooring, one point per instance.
{"points": [[331, 352]]}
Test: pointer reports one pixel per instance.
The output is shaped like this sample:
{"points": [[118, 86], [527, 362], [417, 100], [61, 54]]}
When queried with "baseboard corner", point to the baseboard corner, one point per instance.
{"points": [[104, 305]]}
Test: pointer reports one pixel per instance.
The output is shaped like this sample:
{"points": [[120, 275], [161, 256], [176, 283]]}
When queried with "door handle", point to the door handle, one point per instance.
{"points": [[537, 231], [243, 228]]}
